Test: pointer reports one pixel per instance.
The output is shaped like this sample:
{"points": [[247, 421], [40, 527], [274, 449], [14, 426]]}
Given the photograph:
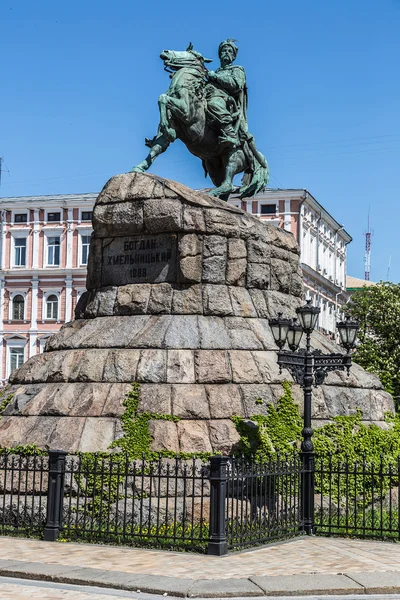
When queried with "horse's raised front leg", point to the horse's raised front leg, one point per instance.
{"points": [[158, 145]]}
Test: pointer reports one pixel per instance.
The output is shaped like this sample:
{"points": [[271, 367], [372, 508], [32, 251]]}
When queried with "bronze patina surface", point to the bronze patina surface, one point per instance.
{"points": [[207, 110]]}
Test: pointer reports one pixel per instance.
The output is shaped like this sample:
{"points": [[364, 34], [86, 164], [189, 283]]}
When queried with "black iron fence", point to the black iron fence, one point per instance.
{"points": [[357, 498], [212, 506], [207, 506]]}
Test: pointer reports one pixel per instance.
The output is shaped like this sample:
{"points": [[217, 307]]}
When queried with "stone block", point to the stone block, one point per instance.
{"points": [[281, 276], [242, 305], [187, 300], [214, 269], [152, 366], [190, 245], [67, 434], [180, 366], [221, 222], [213, 333], [242, 335], [85, 365], [123, 218], [193, 436], [97, 435], [259, 303], [279, 302], [151, 334], [244, 367], [155, 398], [236, 248], [164, 436], [251, 393], [190, 269], [182, 333], [217, 300], [193, 219], [267, 365], [223, 588], [93, 278], [114, 404], [214, 245], [223, 436], [212, 366], [162, 215], [224, 401], [258, 251], [132, 299], [236, 271], [160, 301], [190, 401], [262, 331], [258, 275], [121, 365], [296, 285], [308, 584]]}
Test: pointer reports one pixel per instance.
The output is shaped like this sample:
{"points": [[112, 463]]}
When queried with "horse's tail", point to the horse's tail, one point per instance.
{"points": [[255, 179]]}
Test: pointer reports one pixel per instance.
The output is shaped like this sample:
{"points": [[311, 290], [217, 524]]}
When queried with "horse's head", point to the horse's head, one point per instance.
{"points": [[175, 60]]}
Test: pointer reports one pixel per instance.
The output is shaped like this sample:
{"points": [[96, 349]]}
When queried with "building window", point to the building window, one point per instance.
{"points": [[87, 215], [20, 252], [52, 307], [53, 251], [85, 249], [21, 218], [16, 358], [267, 209], [53, 216], [18, 305]]}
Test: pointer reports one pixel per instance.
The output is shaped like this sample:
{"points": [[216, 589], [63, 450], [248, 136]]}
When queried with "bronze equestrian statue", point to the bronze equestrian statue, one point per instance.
{"points": [[207, 110]]}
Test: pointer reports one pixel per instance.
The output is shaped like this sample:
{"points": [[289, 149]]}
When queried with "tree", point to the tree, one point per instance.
{"points": [[378, 309]]}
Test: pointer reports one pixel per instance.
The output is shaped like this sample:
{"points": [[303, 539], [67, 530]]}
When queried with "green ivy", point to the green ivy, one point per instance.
{"points": [[279, 431], [345, 439], [136, 440], [5, 399]]}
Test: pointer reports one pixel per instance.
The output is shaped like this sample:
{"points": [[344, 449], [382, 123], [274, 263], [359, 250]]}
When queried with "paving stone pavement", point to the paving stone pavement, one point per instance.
{"points": [[301, 555], [298, 567]]}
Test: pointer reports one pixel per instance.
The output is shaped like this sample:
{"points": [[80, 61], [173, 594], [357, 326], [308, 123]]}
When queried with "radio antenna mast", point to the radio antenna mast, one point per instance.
{"points": [[367, 257]]}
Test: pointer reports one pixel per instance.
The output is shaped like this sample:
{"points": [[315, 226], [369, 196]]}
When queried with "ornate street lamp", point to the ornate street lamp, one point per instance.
{"points": [[309, 367]]}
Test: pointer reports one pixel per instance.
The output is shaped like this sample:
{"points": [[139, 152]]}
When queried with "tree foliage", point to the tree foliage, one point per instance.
{"points": [[378, 310]]}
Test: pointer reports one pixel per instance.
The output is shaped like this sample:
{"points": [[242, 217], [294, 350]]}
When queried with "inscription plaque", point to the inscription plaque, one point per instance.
{"points": [[139, 259]]}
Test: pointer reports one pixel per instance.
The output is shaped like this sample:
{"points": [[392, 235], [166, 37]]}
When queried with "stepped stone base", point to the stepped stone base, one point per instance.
{"points": [[180, 289]]}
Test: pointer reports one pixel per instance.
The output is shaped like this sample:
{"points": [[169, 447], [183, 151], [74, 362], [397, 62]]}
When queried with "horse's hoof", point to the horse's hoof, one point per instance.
{"points": [[137, 170]]}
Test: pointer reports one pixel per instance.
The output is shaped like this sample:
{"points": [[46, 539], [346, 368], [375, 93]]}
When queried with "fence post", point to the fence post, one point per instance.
{"points": [[55, 495], [217, 545]]}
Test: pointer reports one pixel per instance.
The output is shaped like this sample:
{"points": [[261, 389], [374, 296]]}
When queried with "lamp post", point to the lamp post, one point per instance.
{"points": [[309, 367]]}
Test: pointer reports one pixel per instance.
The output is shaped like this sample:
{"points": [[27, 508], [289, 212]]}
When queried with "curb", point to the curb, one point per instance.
{"points": [[387, 582]]}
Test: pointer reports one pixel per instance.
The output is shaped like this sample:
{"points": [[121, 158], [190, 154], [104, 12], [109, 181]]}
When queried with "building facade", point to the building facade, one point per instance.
{"points": [[44, 246], [323, 246]]}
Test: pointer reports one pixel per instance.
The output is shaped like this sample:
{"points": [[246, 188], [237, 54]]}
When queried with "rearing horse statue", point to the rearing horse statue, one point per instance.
{"points": [[199, 111]]}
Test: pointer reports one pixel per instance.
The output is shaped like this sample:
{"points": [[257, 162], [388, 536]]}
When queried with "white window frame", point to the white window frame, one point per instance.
{"points": [[54, 210], [10, 303], [82, 232], [49, 233], [81, 210], [46, 294], [14, 343], [23, 211], [267, 203], [17, 235]]}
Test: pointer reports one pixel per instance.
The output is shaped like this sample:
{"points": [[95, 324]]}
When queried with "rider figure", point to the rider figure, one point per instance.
{"points": [[225, 95]]}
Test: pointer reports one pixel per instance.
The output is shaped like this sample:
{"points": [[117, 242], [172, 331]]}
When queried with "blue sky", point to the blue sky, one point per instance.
{"points": [[80, 81]]}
